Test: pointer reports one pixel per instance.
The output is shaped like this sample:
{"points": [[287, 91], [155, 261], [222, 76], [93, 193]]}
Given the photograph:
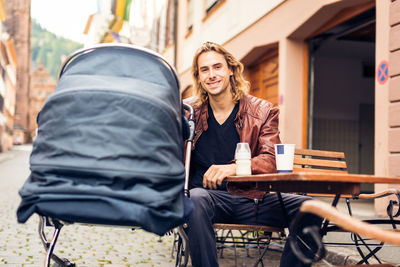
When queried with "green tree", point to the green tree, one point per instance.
{"points": [[48, 48]]}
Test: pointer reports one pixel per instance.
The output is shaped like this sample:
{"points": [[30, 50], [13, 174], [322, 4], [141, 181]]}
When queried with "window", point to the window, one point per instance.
{"points": [[3, 73], [210, 4], [171, 15], [3, 51], [189, 15], [1, 103]]}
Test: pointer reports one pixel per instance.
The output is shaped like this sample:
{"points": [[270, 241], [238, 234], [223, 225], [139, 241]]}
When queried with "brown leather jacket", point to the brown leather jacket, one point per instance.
{"points": [[257, 125]]}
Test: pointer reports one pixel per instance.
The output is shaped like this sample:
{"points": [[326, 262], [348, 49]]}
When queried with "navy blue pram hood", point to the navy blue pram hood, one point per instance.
{"points": [[109, 148]]}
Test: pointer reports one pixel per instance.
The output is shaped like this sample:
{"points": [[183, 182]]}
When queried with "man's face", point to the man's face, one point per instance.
{"points": [[214, 73]]}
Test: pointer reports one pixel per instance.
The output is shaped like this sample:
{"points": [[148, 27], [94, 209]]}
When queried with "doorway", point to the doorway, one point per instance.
{"points": [[263, 76], [341, 91]]}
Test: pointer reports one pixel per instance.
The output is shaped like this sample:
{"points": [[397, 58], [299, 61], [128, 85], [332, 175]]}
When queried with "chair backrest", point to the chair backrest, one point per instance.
{"points": [[309, 160]]}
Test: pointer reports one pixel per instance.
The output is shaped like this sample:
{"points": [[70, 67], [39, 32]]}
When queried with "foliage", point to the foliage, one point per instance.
{"points": [[49, 49]]}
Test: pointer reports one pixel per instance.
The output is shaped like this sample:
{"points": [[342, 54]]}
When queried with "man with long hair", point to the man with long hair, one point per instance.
{"points": [[225, 116]]}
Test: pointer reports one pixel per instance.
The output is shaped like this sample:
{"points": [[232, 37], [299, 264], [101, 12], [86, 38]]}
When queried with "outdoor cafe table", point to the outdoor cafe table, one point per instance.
{"points": [[337, 184], [309, 182]]}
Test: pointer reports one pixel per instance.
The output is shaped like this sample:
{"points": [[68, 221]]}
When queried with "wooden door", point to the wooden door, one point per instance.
{"points": [[263, 76]]}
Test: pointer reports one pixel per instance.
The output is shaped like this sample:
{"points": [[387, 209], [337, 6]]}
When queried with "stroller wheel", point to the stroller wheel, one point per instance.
{"points": [[65, 263]]}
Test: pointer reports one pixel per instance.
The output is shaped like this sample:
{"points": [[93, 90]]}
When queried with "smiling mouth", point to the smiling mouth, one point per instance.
{"points": [[215, 83]]}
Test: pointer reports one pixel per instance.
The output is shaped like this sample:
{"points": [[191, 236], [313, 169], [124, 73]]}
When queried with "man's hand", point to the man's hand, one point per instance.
{"points": [[216, 174]]}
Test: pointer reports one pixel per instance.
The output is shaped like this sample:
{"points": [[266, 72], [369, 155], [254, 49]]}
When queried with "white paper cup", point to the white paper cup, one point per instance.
{"points": [[284, 155]]}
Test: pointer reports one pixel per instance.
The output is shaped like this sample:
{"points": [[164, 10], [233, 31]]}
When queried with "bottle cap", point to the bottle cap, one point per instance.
{"points": [[242, 151]]}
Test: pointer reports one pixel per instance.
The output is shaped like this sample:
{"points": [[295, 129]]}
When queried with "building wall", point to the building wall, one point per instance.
{"points": [[8, 65], [9, 111], [288, 25], [248, 42], [42, 85], [394, 89], [229, 19], [19, 27], [387, 125], [382, 101]]}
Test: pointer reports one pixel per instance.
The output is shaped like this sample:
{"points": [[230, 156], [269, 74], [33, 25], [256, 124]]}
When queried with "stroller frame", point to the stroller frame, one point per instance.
{"points": [[182, 240], [49, 246]]}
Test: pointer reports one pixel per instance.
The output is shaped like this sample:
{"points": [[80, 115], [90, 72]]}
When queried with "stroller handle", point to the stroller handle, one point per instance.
{"points": [[189, 144], [190, 121]]}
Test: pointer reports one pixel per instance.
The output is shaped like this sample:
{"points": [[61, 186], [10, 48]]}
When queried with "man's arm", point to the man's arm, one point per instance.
{"points": [[264, 162]]}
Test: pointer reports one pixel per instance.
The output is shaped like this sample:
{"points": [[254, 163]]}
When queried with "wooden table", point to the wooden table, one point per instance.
{"points": [[307, 182], [337, 184]]}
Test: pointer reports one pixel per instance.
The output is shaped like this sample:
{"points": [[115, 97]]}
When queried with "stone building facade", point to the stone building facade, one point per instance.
{"points": [[42, 85], [18, 24], [8, 66]]}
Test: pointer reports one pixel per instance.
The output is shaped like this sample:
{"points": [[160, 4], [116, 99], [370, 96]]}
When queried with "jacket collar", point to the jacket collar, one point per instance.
{"points": [[203, 116], [203, 111], [242, 106]]}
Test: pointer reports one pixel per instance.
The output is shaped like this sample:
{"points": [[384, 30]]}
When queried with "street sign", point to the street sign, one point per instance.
{"points": [[382, 73]]}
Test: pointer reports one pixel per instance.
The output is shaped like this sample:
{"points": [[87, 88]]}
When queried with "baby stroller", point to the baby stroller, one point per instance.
{"points": [[110, 146]]}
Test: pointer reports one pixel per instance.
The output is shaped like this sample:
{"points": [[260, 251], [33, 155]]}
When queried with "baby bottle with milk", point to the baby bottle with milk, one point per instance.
{"points": [[243, 159]]}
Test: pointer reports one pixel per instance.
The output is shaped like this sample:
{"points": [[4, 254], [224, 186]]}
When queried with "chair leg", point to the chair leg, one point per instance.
{"points": [[247, 246], [371, 253], [234, 246], [222, 239], [261, 252]]}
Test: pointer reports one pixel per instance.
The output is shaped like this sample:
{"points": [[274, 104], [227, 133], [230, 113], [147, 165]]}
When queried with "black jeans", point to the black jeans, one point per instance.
{"points": [[212, 206]]}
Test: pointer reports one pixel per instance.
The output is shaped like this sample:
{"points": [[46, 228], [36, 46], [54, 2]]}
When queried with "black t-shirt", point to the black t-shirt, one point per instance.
{"points": [[217, 145]]}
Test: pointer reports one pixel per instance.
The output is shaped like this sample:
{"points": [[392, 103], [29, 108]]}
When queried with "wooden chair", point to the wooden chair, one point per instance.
{"points": [[330, 161], [247, 236], [347, 223], [308, 160]]}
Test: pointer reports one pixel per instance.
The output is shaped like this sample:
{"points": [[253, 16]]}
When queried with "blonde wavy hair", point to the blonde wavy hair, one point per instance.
{"points": [[239, 85]]}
